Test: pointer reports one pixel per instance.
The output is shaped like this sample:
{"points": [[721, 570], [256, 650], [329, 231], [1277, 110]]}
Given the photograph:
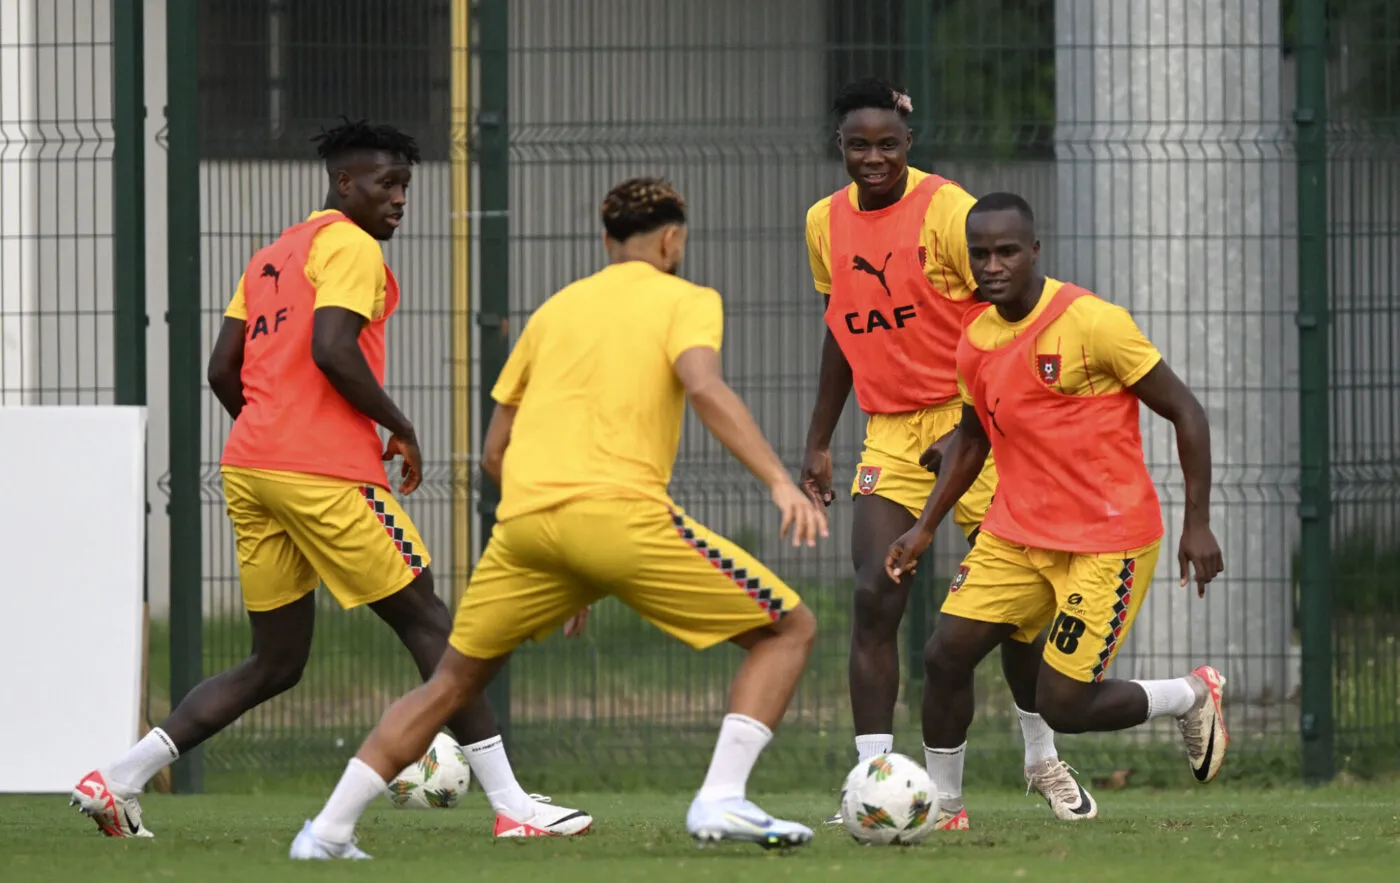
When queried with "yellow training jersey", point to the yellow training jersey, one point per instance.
{"points": [[346, 267], [1095, 348], [944, 238], [599, 403]]}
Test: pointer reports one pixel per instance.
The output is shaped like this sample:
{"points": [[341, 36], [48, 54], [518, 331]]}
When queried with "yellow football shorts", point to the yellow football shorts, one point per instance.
{"points": [[540, 569], [294, 531], [1090, 601], [889, 464]]}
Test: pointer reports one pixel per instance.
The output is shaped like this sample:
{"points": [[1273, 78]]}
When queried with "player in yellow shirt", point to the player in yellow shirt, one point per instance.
{"points": [[611, 359], [299, 365], [888, 254]]}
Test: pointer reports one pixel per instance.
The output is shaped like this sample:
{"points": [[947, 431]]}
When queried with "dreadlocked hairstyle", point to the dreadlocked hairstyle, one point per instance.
{"points": [[640, 205], [872, 92], [333, 145]]}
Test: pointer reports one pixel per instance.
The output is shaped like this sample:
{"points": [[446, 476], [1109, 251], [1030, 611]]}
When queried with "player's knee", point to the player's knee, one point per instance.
{"points": [[879, 605], [1063, 703], [277, 673], [800, 627], [944, 662]]}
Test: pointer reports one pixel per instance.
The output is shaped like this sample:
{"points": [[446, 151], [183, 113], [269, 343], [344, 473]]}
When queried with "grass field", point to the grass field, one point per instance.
{"points": [[1202, 834]]}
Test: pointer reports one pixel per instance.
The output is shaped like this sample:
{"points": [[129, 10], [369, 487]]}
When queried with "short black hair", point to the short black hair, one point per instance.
{"points": [[1001, 201], [359, 136], [872, 92], [640, 205]]}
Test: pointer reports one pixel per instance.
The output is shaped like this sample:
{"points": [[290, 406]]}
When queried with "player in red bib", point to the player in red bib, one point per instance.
{"points": [[889, 254], [1050, 378]]}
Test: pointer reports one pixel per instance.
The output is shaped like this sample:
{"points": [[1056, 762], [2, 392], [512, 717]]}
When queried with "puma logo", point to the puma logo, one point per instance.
{"points": [[271, 272], [992, 414], [865, 266]]}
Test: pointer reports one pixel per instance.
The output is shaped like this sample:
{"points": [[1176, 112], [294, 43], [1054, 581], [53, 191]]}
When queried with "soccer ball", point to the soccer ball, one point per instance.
{"points": [[888, 799], [437, 781]]}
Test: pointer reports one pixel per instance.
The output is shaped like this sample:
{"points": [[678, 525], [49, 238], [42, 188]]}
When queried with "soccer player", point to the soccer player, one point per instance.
{"points": [[889, 254], [611, 359], [298, 364], [1050, 378]]}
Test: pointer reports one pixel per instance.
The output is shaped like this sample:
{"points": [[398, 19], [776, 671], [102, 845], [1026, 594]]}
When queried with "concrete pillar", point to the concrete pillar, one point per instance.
{"points": [[19, 208], [1174, 182]]}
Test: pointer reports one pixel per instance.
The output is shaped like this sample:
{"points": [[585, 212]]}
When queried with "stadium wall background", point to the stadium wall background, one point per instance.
{"points": [[1227, 169]]}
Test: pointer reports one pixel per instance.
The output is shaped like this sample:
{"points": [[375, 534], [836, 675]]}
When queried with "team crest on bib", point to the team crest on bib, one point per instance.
{"points": [[958, 580], [867, 478], [1049, 368]]}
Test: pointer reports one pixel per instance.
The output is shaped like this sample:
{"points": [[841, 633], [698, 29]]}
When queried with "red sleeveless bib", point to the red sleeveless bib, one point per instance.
{"points": [[1071, 473], [293, 419], [897, 330]]}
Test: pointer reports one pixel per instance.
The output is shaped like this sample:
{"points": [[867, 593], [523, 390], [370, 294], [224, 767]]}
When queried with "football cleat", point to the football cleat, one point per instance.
{"points": [[1053, 779], [1203, 727], [742, 821], [949, 820], [309, 847], [116, 816], [545, 821]]}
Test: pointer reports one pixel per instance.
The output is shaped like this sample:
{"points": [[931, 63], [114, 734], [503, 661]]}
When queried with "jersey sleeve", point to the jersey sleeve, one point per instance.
{"points": [[954, 203], [964, 393], [346, 267], [697, 321], [1118, 347], [819, 245], [515, 375], [238, 305]]}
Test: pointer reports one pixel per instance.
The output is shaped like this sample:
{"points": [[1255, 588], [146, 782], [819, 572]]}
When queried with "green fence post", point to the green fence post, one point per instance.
{"points": [[1314, 406], [129, 203], [493, 310], [185, 363]]}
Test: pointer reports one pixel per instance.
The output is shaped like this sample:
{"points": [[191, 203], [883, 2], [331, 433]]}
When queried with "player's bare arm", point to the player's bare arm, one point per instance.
{"points": [[225, 370], [335, 347], [967, 451], [1162, 391], [727, 418], [493, 452], [833, 388]]}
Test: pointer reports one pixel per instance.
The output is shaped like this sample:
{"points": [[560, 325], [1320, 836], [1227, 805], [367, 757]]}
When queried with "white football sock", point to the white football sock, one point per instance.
{"points": [[873, 745], [492, 768], [741, 740], [1040, 739], [945, 771], [141, 762], [356, 790], [1174, 696]]}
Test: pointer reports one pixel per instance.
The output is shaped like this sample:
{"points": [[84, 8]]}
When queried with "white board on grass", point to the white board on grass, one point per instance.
{"points": [[72, 564]]}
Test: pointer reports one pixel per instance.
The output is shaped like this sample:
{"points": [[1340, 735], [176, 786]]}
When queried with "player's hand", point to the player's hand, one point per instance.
{"points": [[904, 552], [1200, 552], [574, 627], [932, 458], [412, 469], [801, 514], [816, 476]]}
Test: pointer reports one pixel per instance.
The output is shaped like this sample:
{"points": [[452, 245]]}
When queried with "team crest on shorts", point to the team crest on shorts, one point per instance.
{"points": [[867, 478], [1049, 367], [958, 580]]}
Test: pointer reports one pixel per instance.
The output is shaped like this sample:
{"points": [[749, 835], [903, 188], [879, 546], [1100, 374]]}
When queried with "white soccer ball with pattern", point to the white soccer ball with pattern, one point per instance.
{"points": [[436, 781], [888, 800]]}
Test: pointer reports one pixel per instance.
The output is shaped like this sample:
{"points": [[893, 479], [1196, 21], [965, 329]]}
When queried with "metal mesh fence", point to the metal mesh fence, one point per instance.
{"points": [[1157, 142]]}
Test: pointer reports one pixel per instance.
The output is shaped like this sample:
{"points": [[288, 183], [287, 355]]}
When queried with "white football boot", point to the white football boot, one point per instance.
{"points": [[116, 816], [1054, 780], [309, 847], [742, 820], [1203, 727], [545, 821]]}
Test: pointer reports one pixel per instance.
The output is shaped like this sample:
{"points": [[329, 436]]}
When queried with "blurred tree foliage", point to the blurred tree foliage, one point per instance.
{"points": [[986, 78], [1363, 42]]}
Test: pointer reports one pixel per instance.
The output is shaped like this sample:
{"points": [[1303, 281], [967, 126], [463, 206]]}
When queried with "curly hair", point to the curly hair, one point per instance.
{"points": [[872, 92], [357, 136], [640, 205]]}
